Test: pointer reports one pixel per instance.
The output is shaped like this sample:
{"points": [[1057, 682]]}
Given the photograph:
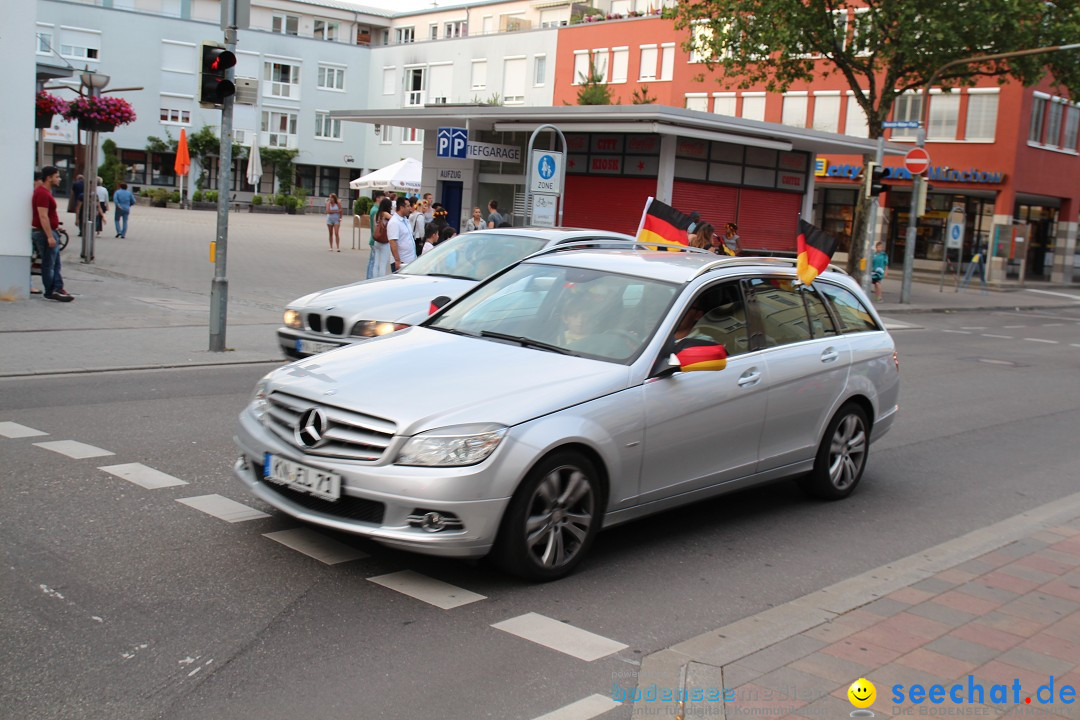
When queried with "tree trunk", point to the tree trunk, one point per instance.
{"points": [[856, 256]]}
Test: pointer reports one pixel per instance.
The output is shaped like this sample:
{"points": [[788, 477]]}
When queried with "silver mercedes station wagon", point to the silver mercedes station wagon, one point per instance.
{"points": [[577, 389]]}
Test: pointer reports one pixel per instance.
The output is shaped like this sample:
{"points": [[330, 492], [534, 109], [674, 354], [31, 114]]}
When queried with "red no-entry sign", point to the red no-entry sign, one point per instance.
{"points": [[917, 161]]}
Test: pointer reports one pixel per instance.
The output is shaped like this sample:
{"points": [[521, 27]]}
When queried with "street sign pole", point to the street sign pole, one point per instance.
{"points": [[219, 286], [871, 225], [529, 171]]}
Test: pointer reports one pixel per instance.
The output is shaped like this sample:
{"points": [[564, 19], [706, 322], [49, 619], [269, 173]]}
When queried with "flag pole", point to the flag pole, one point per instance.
{"points": [[644, 213]]}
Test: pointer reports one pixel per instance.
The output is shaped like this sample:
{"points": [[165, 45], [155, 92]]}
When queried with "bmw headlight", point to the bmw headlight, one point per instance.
{"points": [[375, 328], [293, 320], [260, 405], [452, 446]]}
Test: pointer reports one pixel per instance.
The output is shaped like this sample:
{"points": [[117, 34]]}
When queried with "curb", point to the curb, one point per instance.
{"points": [[128, 368], [699, 661], [901, 310]]}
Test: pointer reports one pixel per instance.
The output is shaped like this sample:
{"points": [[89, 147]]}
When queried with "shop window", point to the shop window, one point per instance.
{"points": [[981, 116], [135, 162], [161, 169], [328, 181], [305, 177]]}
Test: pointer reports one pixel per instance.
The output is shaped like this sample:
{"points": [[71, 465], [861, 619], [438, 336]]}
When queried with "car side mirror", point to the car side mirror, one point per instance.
{"points": [[706, 356], [437, 304], [669, 368]]}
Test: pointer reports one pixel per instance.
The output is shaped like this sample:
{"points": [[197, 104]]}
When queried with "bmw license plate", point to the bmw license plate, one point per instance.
{"points": [[302, 478], [314, 347]]}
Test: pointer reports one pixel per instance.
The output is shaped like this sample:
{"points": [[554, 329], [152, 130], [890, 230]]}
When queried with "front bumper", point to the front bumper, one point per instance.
{"points": [[300, 343], [400, 491]]}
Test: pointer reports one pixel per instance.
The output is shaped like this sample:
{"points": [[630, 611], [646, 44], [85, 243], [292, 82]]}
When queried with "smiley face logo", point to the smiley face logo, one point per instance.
{"points": [[862, 693]]}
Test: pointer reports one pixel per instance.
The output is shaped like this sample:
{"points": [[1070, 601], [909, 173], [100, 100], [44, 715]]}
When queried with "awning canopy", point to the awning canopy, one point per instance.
{"points": [[402, 176]]}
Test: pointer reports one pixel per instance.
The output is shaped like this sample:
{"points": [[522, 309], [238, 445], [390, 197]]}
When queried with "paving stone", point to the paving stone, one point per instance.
{"points": [[1066, 629], [831, 667], [997, 672], [885, 607], [1046, 562], [976, 567], [981, 589], [910, 595], [751, 699], [956, 576], [1012, 624], [825, 707], [1067, 559], [960, 649], [923, 627], [978, 632], [1048, 537], [864, 653], [965, 603], [1065, 530], [800, 685], [1055, 646], [941, 613], [1062, 589], [1040, 607], [782, 653], [736, 674], [888, 636], [937, 585], [1017, 578], [1036, 660], [1020, 548], [943, 666]]}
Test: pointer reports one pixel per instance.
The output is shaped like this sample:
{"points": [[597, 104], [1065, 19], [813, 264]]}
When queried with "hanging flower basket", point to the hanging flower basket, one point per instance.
{"points": [[41, 120], [100, 114], [45, 106]]}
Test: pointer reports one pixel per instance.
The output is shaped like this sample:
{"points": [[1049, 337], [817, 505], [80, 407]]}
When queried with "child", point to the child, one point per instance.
{"points": [[431, 237], [879, 269]]}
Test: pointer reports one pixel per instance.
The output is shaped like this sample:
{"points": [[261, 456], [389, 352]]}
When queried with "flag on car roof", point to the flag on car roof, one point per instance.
{"points": [[816, 249], [662, 223]]}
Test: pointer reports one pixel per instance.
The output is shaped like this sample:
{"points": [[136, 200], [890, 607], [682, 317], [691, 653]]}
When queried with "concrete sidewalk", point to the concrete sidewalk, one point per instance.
{"points": [[996, 609]]}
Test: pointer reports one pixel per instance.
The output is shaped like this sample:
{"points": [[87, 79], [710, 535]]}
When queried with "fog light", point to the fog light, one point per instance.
{"points": [[433, 522]]}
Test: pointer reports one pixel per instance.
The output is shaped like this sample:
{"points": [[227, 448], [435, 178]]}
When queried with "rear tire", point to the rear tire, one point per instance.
{"points": [[552, 519], [841, 457]]}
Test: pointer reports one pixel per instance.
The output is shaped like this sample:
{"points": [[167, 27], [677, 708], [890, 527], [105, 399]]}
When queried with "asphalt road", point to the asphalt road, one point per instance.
{"points": [[121, 602]]}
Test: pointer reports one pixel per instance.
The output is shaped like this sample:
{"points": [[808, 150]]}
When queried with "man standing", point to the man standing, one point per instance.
{"points": [[373, 216], [103, 203], [495, 219], [46, 222], [123, 199], [399, 232]]}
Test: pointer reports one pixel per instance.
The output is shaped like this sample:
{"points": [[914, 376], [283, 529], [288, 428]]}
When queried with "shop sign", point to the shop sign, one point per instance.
{"points": [[821, 166], [607, 143], [577, 142], [605, 164], [449, 174], [643, 144], [491, 151], [850, 172], [941, 173], [791, 181], [692, 148]]}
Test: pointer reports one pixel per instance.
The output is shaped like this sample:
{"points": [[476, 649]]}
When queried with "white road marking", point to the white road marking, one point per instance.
{"points": [[1074, 344], [429, 590], [223, 508], [559, 636], [891, 324], [1048, 342], [1000, 337], [316, 545], [583, 709], [143, 476], [957, 332], [1056, 294], [74, 449], [1012, 327], [15, 430], [1052, 324], [974, 328]]}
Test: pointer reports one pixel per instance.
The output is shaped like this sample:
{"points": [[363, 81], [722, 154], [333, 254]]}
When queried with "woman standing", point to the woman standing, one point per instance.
{"points": [[703, 235], [381, 246], [333, 221], [476, 222]]}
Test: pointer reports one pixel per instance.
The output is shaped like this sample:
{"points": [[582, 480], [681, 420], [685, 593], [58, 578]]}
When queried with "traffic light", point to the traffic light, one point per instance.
{"points": [[214, 64], [875, 180]]}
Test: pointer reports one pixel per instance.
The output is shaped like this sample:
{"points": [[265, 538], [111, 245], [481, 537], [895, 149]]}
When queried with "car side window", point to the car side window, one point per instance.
{"points": [[716, 315], [821, 323], [854, 317], [781, 310]]}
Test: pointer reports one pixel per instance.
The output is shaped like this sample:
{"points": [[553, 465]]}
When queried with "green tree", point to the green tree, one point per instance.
{"points": [[881, 48], [282, 160], [112, 171], [593, 90], [641, 96], [203, 145]]}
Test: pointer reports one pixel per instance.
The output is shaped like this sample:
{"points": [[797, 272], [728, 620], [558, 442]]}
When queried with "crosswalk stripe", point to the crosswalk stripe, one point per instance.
{"points": [[322, 548], [559, 636], [74, 449], [223, 508], [143, 476], [427, 589], [15, 430], [583, 709]]}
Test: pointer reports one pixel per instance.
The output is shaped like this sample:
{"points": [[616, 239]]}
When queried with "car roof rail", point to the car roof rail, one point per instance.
{"points": [[617, 244], [747, 261]]}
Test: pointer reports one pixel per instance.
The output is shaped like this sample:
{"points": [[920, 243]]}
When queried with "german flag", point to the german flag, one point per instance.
{"points": [[663, 223], [701, 355], [816, 248]]}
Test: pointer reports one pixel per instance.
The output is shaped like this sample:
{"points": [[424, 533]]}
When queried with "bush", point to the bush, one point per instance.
{"points": [[291, 203], [159, 196], [362, 206], [212, 196], [279, 200], [257, 200], [174, 196], [197, 196], [144, 193]]}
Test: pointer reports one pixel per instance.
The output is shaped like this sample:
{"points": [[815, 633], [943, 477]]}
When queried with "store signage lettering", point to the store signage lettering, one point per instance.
{"points": [[606, 164], [491, 151], [940, 173]]}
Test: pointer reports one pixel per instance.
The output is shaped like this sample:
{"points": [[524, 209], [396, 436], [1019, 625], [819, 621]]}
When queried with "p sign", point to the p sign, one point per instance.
{"points": [[452, 143]]}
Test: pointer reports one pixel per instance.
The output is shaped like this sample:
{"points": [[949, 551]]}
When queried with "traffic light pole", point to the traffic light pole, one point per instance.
{"points": [[219, 286], [871, 222]]}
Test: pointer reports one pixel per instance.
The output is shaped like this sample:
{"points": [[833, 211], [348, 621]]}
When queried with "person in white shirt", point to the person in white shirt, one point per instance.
{"points": [[103, 204], [399, 232]]}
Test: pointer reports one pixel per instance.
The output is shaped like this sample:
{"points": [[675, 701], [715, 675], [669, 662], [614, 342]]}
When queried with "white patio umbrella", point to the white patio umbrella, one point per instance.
{"points": [[402, 176], [254, 168]]}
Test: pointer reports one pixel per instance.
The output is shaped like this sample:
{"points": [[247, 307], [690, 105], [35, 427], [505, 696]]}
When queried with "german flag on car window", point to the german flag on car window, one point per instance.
{"points": [[662, 223]]}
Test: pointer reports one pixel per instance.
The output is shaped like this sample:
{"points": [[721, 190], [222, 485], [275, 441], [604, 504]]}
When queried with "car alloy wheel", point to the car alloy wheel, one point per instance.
{"points": [[841, 457]]}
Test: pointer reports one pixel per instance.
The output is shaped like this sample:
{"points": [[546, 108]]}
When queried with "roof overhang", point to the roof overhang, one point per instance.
{"points": [[622, 119], [46, 72]]}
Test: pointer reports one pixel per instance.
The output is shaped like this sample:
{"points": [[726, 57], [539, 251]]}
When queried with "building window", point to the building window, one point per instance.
{"points": [[161, 169], [648, 63], [282, 80], [389, 81], [433, 31], [404, 35], [386, 135], [944, 116], [907, 107], [539, 70], [620, 59], [1038, 112], [285, 24], [1072, 124], [555, 17], [441, 81], [44, 41], [178, 57], [600, 64], [412, 136], [1053, 123], [80, 45], [981, 116], [305, 177], [327, 128], [455, 29], [329, 177], [279, 129], [514, 74], [855, 123], [794, 112], [724, 104], [414, 86], [581, 67], [135, 162], [331, 78], [487, 25], [827, 113], [326, 30], [667, 61], [702, 36], [173, 116], [697, 101], [479, 74], [753, 106]]}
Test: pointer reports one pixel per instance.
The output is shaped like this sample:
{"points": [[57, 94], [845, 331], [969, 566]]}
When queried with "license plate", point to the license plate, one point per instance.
{"points": [[314, 347], [302, 478]]}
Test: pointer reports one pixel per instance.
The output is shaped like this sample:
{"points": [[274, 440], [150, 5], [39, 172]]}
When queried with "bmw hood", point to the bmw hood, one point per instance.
{"points": [[422, 379], [392, 298]]}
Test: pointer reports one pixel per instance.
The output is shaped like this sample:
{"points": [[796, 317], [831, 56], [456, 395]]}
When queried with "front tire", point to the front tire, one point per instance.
{"points": [[552, 519], [841, 458]]}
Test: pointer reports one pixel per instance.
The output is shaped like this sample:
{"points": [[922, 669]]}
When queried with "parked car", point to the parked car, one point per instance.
{"points": [[577, 390], [329, 319]]}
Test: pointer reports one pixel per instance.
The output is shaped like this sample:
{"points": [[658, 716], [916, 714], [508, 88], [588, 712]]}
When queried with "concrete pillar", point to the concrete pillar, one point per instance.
{"points": [[1065, 243], [665, 178], [17, 56]]}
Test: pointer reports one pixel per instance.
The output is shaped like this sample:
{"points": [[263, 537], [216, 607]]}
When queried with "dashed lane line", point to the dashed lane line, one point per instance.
{"points": [[1048, 342], [583, 709], [15, 430], [316, 545], [426, 589], [999, 337], [957, 332], [74, 449], [143, 476], [223, 508], [560, 636]]}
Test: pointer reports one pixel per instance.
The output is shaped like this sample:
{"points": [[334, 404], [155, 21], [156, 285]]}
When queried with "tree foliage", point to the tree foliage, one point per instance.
{"points": [[111, 171], [594, 90], [282, 160]]}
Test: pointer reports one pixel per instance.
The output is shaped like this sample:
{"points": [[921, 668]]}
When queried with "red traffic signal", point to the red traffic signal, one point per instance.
{"points": [[214, 64]]}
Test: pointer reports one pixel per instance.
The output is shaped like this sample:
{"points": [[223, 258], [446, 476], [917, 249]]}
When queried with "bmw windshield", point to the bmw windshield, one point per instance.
{"points": [[475, 255]]}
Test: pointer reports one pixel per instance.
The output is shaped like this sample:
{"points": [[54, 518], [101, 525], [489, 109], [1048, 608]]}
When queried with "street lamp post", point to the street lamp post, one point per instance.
{"points": [[93, 83]]}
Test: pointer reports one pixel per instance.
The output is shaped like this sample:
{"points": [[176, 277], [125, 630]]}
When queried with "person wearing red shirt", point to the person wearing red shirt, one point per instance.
{"points": [[46, 238]]}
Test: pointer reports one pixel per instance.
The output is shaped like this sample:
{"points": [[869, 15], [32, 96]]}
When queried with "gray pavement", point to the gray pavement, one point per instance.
{"points": [[145, 301]]}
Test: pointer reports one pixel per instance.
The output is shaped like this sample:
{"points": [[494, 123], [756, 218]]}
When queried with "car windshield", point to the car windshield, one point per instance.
{"points": [[573, 311], [474, 255]]}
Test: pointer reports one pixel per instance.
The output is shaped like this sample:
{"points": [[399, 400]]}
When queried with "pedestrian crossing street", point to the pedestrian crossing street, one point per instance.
{"points": [[555, 635]]}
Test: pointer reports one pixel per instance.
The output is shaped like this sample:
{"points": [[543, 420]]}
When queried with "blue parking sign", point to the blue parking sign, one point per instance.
{"points": [[452, 142]]}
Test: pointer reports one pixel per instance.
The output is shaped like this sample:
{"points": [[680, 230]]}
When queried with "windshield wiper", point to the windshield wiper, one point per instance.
{"points": [[453, 331], [456, 277], [524, 341]]}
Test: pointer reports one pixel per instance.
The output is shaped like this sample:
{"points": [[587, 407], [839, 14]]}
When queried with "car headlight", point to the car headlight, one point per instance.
{"points": [[260, 405], [452, 446], [374, 328], [293, 320]]}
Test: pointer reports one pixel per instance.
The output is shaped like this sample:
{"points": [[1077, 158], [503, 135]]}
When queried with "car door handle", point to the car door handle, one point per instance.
{"points": [[750, 377], [829, 355]]}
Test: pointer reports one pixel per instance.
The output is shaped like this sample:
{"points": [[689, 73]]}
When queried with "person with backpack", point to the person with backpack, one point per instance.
{"points": [[380, 246], [373, 217]]}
